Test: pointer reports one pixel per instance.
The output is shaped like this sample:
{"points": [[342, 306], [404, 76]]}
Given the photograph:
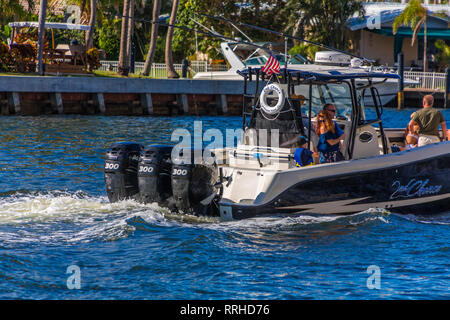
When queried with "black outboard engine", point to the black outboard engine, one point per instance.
{"points": [[193, 185], [121, 166], [154, 174]]}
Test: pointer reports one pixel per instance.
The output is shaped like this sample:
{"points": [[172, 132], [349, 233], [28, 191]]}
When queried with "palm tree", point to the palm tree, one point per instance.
{"points": [[154, 36], [42, 16], [171, 73], [83, 7], [124, 60], [90, 8], [90, 34], [130, 28], [416, 16]]}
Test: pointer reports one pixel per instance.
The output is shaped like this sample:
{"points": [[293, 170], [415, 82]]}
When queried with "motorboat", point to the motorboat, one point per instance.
{"points": [[242, 55], [259, 176]]}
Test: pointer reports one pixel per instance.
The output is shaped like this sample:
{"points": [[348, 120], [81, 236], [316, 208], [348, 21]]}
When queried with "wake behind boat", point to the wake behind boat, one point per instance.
{"points": [[259, 177]]}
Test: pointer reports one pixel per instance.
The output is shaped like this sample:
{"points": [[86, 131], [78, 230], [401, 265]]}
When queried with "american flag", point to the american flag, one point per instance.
{"points": [[272, 66]]}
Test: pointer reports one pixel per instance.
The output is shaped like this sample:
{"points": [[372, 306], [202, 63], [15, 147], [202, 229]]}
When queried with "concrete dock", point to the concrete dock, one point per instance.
{"points": [[414, 96], [21, 95]]}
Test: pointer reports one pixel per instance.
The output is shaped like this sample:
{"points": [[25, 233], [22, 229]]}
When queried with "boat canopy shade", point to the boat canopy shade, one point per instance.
{"points": [[334, 74], [386, 13], [49, 25]]}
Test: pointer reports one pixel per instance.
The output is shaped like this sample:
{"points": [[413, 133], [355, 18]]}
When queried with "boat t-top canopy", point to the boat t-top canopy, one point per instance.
{"points": [[336, 75], [327, 73], [49, 25]]}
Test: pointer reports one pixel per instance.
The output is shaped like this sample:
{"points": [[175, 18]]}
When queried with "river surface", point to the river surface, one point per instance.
{"points": [[60, 238]]}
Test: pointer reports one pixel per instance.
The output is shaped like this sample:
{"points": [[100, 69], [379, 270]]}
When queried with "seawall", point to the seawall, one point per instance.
{"points": [[33, 95]]}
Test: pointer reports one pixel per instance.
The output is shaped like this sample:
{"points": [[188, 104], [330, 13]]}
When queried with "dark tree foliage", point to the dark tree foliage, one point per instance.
{"points": [[323, 21]]}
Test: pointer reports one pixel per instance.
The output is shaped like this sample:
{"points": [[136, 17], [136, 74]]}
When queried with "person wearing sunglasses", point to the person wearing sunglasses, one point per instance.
{"points": [[328, 145], [332, 111]]}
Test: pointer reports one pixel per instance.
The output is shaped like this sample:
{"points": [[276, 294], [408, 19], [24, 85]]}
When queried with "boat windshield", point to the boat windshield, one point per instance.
{"points": [[336, 93], [292, 60], [256, 61]]}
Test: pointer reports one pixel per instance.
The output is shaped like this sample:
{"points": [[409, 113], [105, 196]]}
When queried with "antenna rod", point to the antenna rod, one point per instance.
{"points": [[207, 33], [281, 34], [242, 32], [210, 30]]}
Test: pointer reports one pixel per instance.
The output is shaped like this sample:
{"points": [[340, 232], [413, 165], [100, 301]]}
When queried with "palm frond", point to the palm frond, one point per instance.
{"points": [[411, 16]]}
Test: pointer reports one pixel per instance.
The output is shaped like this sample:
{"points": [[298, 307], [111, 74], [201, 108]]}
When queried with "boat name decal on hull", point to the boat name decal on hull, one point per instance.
{"points": [[413, 188]]}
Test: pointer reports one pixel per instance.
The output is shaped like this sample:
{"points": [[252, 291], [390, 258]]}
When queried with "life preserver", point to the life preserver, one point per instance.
{"points": [[264, 94]]}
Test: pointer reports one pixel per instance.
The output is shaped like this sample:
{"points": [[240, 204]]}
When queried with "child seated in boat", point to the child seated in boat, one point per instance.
{"points": [[411, 137], [410, 142], [303, 156]]}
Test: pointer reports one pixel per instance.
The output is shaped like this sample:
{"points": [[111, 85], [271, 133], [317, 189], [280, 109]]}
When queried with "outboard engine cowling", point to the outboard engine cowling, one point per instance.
{"points": [[181, 180], [193, 186], [154, 174], [121, 166]]}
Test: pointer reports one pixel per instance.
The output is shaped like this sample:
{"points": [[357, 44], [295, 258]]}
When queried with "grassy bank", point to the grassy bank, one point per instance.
{"points": [[96, 73]]}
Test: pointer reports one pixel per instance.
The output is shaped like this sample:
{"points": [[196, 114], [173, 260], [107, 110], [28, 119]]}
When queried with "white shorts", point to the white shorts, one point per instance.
{"points": [[424, 140]]}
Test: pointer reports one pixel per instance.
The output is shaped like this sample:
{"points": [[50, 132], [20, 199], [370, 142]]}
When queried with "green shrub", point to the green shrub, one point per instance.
{"points": [[443, 57], [305, 50], [5, 57], [93, 59], [109, 38]]}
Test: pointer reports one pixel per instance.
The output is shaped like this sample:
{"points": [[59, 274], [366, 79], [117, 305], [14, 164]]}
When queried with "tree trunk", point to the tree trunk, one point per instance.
{"points": [[130, 28], [83, 7], [124, 61], [90, 34], [171, 73], [154, 37], [130, 53], [42, 15], [425, 45]]}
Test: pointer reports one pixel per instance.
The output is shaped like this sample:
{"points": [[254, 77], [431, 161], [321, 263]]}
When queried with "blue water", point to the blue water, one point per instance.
{"points": [[54, 214]]}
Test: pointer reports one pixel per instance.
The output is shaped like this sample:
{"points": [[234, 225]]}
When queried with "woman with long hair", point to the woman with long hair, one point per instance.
{"points": [[329, 139]]}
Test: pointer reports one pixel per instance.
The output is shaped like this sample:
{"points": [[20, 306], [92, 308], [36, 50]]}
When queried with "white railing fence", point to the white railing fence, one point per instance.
{"points": [[158, 70], [426, 80], [204, 66]]}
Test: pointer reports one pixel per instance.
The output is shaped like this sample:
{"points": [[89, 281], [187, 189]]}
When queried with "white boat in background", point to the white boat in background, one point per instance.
{"points": [[242, 56]]}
